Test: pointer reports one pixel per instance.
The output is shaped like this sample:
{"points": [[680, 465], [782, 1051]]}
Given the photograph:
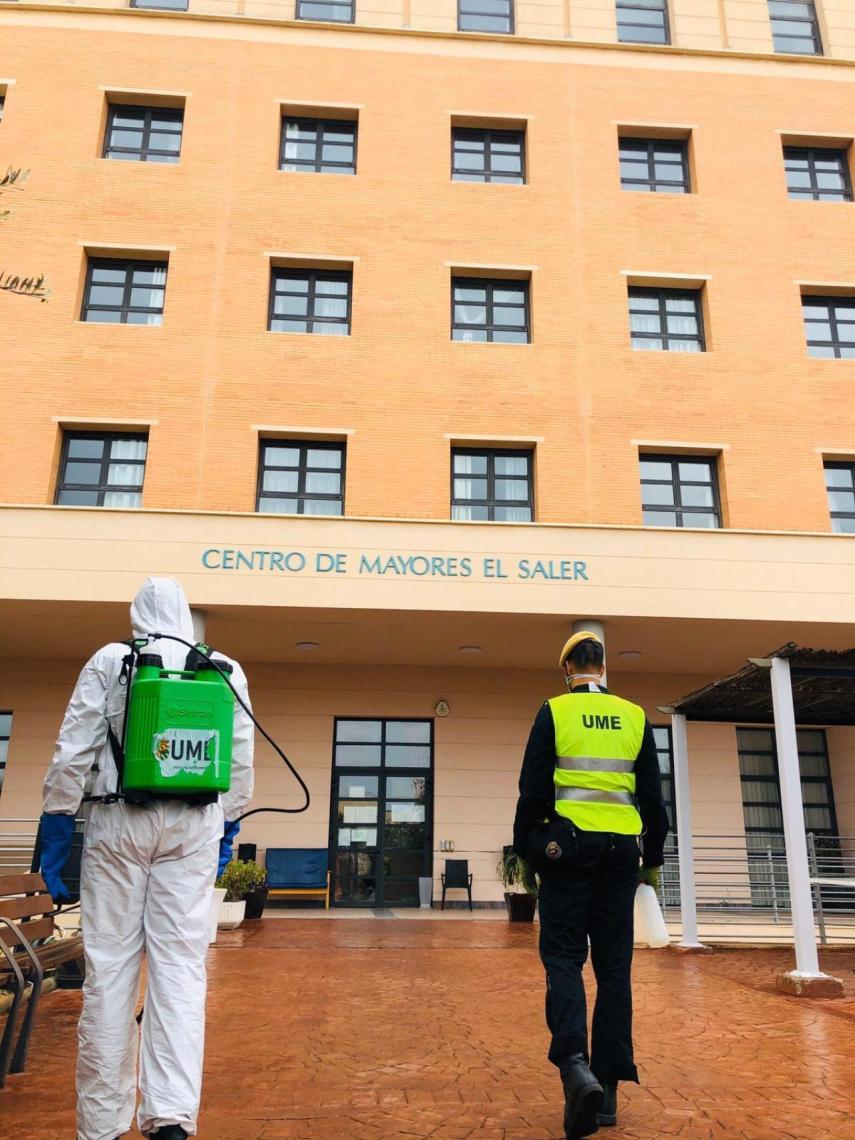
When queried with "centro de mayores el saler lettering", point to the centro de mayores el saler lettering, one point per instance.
{"points": [[396, 565]]}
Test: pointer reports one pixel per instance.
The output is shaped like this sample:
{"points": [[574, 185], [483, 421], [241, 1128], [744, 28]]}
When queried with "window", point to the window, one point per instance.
{"points": [[5, 733], [654, 165], [666, 319], [310, 301], [643, 22], [491, 485], [162, 5], [124, 292], [485, 310], [381, 811], [840, 484], [485, 16], [761, 808], [761, 792], [679, 490], [830, 326], [143, 134], [795, 27], [301, 478], [337, 11], [662, 736], [817, 173], [99, 470], [319, 146], [487, 156]]}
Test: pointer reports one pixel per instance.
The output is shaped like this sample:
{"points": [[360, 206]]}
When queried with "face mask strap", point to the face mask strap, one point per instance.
{"points": [[571, 677]]}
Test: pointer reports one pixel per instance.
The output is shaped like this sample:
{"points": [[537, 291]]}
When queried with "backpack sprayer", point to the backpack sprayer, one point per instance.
{"points": [[176, 740], [177, 730]]}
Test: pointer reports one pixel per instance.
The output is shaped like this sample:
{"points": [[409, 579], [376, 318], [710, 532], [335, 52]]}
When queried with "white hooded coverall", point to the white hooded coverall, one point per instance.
{"points": [[146, 884]]}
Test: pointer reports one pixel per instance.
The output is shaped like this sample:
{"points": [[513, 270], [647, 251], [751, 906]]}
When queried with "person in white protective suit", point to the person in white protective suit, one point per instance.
{"points": [[146, 885]]}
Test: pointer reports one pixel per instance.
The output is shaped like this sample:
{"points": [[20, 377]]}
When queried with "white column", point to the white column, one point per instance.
{"points": [[685, 844], [591, 625], [798, 873], [199, 622]]}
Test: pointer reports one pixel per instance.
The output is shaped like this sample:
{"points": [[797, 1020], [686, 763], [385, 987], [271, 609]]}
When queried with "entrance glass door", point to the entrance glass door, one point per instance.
{"points": [[381, 838]]}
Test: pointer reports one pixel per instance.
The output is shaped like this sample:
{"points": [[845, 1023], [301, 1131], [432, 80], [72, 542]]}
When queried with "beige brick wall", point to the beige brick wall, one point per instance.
{"points": [[212, 370]]}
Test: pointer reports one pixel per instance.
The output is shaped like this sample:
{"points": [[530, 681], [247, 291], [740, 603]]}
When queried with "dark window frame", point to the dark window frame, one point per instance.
{"points": [[102, 487], [655, 185], [640, 5], [171, 156], [511, 18], [381, 771], [321, 125], [799, 22], [313, 275], [129, 265], [491, 327], [162, 5], [663, 296], [490, 134], [298, 15], [5, 738], [812, 154], [840, 465], [667, 773], [301, 494], [775, 779], [676, 483], [833, 321], [491, 502]]}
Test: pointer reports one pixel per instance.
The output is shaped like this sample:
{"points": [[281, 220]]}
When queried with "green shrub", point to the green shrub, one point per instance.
{"points": [[239, 878]]}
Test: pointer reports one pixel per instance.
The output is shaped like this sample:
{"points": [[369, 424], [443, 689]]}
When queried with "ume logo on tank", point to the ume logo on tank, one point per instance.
{"points": [[190, 750]]}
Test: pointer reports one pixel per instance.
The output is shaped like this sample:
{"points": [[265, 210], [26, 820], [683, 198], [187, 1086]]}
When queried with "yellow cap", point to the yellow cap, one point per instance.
{"points": [[571, 644]]}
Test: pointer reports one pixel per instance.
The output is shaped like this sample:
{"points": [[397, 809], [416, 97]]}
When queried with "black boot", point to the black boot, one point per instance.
{"points": [[608, 1110], [583, 1098], [169, 1132]]}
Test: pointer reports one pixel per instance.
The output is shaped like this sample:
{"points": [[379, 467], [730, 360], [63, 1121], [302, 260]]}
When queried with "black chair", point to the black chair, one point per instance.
{"points": [[456, 875]]}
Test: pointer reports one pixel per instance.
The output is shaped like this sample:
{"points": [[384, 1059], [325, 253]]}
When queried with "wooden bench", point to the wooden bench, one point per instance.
{"points": [[27, 949], [298, 872]]}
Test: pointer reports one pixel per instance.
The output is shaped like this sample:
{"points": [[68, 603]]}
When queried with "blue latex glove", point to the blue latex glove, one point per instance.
{"points": [[57, 831], [230, 830]]}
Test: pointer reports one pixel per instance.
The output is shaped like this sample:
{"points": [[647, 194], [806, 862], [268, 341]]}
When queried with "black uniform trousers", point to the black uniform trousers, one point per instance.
{"points": [[593, 895]]}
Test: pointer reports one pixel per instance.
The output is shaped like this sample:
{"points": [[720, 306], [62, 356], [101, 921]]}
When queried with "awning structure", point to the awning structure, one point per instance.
{"points": [[823, 690], [793, 685]]}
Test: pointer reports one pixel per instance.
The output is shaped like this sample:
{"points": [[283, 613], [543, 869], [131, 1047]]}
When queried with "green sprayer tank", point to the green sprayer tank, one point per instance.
{"points": [[179, 738]]}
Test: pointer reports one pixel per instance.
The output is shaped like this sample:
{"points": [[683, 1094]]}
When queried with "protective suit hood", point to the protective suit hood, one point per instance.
{"points": [[161, 607]]}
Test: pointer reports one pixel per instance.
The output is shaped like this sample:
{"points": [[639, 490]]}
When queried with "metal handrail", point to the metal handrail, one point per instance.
{"points": [[742, 885]]}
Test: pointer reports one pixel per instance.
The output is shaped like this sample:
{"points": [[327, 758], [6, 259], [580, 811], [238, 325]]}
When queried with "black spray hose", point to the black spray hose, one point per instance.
{"points": [[224, 674]]}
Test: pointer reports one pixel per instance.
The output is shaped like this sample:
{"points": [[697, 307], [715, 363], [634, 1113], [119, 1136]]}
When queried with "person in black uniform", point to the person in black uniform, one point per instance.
{"points": [[590, 811]]}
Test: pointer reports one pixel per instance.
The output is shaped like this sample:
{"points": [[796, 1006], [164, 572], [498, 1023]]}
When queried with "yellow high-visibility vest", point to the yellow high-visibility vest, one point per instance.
{"points": [[597, 740]]}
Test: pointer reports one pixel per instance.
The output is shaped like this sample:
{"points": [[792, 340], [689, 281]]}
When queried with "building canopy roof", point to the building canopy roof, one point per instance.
{"points": [[823, 690]]}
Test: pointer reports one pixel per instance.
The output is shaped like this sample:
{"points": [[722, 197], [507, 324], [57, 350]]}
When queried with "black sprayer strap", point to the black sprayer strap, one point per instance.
{"points": [[256, 811], [117, 747]]}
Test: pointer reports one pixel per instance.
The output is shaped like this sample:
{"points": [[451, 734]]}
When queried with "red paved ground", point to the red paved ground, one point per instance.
{"points": [[386, 1030]]}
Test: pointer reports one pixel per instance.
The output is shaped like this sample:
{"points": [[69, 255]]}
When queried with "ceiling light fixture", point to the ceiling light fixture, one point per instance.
{"points": [[630, 654], [470, 649], [306, 646]]}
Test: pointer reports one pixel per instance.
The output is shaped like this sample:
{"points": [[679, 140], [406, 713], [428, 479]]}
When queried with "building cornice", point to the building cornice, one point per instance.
{"points": [[504, 43]]}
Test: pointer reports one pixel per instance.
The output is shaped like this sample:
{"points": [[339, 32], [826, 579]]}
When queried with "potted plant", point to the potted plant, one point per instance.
{"points": [[256, 895], [238, 879], [520, 886]]}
